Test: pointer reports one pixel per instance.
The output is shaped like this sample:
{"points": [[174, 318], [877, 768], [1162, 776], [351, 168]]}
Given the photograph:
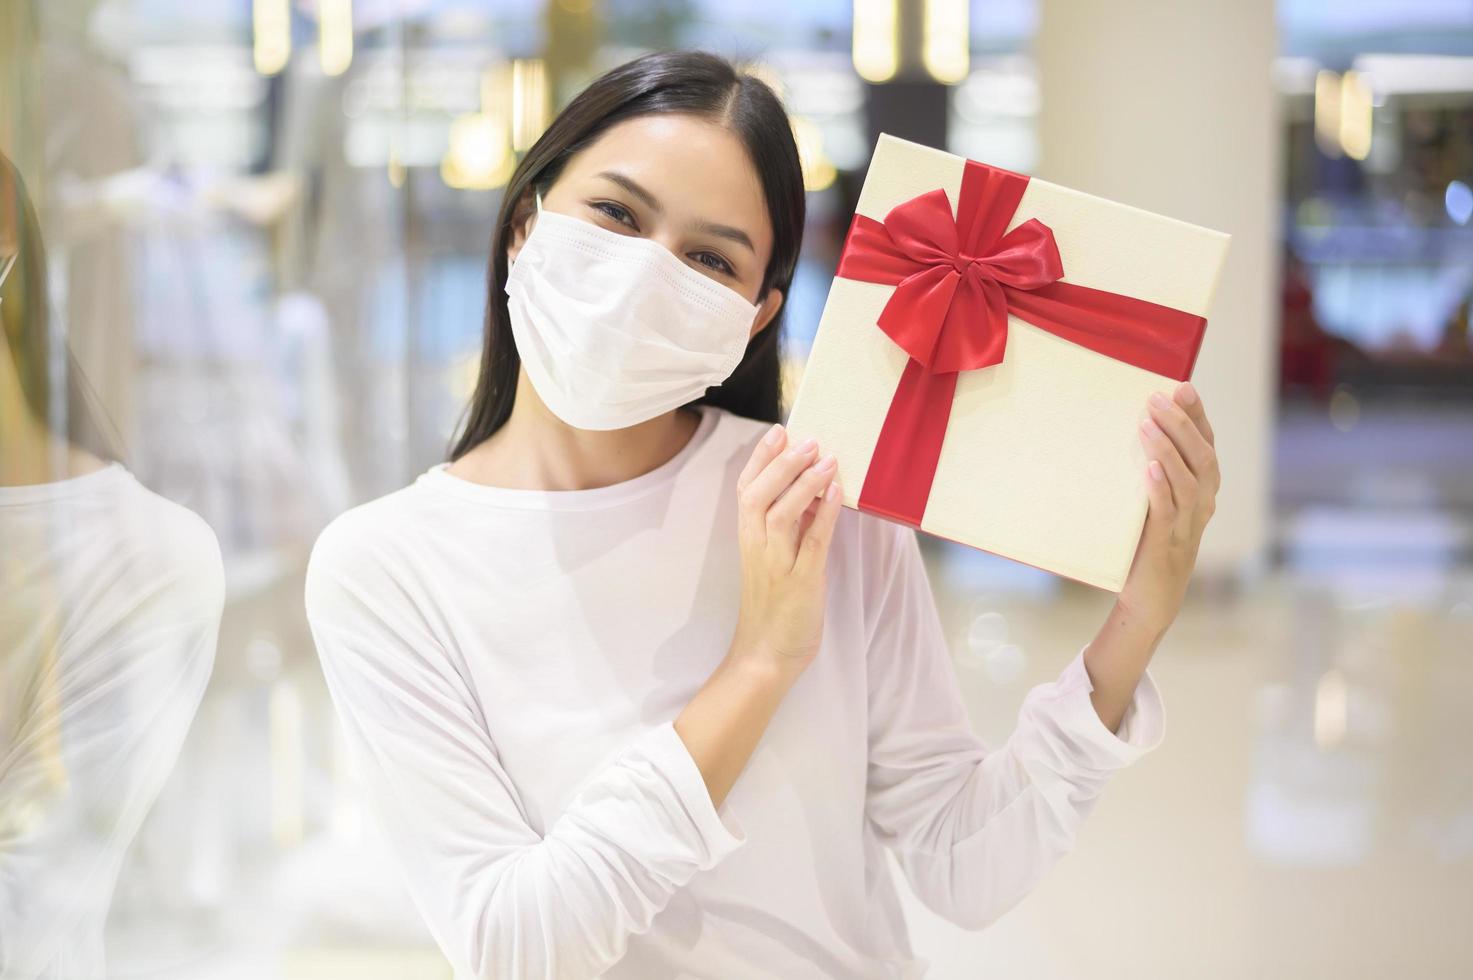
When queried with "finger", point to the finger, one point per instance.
{"points": [[781, 471], [1187, 396], [782, 516], [805, 521], [1190, 399], [803, 491], [813, 547], [769, 446], [1160, 448], [1162, 511], [759, 493], [1194, 449]]}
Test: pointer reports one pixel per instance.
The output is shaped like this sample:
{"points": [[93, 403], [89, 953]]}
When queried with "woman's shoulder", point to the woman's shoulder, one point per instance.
{"points": [[355, 553], [183, 543], [151, 543]]}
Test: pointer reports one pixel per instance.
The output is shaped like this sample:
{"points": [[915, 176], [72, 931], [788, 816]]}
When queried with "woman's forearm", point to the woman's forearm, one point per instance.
{"points": [[1181, 480], [1116, 660], [724, 721]]}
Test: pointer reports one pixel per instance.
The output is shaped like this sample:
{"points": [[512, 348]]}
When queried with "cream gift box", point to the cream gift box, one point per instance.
{"points": [[985, 354]]}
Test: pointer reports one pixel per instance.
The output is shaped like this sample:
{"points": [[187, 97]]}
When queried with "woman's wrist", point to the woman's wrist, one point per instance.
{"points": [[1145, 622], [1144, 626], [758, 665]]}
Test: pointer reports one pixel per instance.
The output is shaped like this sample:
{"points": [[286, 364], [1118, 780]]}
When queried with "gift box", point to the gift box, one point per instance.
{"points": [[985, 354]]}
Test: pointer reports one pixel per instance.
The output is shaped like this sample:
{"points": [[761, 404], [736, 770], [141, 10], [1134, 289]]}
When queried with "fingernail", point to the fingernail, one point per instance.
{"points": [[1188, 393], [807, 445], [832, 493], [825, 463], [773, 434], [1150, 428], [1159, 400], [1155, 470]]}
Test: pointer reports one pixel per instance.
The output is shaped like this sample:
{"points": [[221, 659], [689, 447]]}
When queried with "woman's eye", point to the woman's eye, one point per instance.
{"points": [[719, 264], [614, 211], [622, 215]]}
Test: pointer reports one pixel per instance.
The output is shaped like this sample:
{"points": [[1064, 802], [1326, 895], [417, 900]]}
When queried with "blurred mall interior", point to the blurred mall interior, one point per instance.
{"points": [[266, 225]]}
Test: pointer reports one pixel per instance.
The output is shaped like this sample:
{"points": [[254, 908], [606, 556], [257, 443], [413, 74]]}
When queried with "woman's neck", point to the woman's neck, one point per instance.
{"points": [[536, 450]]}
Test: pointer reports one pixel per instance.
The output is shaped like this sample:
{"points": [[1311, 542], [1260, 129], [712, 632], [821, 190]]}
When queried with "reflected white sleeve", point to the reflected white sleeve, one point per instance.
{"points": [[501, 899], [976, 828]]}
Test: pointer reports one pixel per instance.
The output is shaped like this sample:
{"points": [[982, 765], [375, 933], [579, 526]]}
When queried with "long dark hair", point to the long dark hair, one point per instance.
{"points": [[25, 317], [694, 82]]}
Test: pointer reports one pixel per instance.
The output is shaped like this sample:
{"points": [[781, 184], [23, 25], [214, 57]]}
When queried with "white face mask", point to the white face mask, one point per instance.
{"points": [[615, 329]]}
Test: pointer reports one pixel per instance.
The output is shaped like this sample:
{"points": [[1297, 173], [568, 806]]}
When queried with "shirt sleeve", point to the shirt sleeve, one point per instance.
{"points": [[975, 828], [501, 899]]}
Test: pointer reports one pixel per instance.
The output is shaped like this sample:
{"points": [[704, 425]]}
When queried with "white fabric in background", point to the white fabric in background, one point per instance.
{"points": [[508, 664]]}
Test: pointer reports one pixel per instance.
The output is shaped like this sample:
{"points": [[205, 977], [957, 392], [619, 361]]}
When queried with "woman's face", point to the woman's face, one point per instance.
{"points": [[677, 179]]}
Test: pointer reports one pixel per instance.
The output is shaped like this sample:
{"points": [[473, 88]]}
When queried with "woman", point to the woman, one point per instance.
{"points": [[629, 692], [110, 605]]}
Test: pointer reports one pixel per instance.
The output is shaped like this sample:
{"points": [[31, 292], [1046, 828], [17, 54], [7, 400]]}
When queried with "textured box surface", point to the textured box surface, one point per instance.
{"points": [[1040, 462]]}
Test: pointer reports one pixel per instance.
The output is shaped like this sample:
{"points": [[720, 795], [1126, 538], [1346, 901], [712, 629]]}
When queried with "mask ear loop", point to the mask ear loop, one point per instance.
{"points": [[537, 197], [6, 265]]}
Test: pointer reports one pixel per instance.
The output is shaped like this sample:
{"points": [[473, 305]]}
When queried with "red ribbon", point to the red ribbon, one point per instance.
{"points": [[957, 279]]}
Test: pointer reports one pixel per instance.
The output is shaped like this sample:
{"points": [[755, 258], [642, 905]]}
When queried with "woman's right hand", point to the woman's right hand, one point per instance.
{"points": [[788, 501]]}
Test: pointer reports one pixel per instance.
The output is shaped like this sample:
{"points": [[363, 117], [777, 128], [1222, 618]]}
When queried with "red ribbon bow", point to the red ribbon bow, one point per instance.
{"points": [[949, 310], [957, 280]]}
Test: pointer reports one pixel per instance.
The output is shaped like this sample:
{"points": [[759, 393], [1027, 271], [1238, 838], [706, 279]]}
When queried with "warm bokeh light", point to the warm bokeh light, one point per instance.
{"points": [[876, 41], [1327, 90], [335, 35], [1344, 109], [479, 155], [271, 35], [1356, 115], [946, 40], [818, 170], [1330, 709], [529, 101]]}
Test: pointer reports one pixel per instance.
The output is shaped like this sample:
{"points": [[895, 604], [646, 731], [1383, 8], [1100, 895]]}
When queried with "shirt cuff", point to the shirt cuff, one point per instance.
{"points": [[1142, 728], [720, 831]]}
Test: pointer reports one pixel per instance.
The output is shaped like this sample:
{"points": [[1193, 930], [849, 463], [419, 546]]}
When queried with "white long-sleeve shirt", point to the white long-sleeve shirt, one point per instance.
{"points": [[508, 664], [110, 606]]}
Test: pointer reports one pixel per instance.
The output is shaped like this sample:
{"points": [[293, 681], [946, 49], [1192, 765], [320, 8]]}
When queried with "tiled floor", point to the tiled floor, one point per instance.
{"points": [[1309, 815]]}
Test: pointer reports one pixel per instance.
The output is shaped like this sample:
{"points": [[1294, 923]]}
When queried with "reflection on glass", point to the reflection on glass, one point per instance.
{"points": [[110, 602]]}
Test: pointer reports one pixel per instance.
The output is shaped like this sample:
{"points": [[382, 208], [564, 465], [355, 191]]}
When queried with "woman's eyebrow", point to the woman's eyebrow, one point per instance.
{"points": [[629, 184], [710, 227], [727, 231]]}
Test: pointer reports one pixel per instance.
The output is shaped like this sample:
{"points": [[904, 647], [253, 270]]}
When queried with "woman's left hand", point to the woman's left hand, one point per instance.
{"points": [[1181, 480]]}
